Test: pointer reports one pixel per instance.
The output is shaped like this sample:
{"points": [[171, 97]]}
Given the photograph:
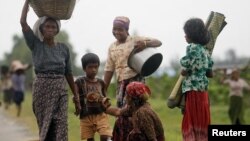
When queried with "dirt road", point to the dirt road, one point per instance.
{"points": [[11, 130]]}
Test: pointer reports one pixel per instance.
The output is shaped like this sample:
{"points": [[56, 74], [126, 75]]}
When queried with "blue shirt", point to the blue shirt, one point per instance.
{"points": [[18, 82]]}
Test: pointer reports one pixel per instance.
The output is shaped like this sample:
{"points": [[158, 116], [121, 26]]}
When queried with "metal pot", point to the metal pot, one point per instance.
{"points": [[146, 61]]}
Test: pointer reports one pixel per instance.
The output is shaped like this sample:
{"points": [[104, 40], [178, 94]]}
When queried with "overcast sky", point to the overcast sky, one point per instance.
{"points": [[90, 26]]}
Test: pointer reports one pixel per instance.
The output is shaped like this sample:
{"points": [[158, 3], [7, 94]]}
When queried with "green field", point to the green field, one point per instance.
{"points": [[171, 118]]}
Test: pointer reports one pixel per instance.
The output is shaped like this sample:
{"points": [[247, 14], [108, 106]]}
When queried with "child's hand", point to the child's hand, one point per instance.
{"points": [[184, 73], [77, 109], [106, 103], [77, 105], [209, 73]]}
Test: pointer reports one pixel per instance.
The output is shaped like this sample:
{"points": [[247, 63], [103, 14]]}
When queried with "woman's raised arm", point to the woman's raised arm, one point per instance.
{"points": [[23, 19]]}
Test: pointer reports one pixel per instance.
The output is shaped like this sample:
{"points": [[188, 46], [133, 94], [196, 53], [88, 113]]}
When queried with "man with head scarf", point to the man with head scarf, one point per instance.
{"points": [[147, 126], [52, 65], [117, 62]]}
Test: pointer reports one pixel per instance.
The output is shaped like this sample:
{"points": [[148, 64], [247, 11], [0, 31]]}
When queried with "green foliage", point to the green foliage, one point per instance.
{"points": [[219, 93], [171, 118], [20, 52], [112, 90], [161, 87]]}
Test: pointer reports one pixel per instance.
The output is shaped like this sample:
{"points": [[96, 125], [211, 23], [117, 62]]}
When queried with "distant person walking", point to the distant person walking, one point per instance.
{"points": [[6, 86], [18, 81], [52, 65], [236, 87], [197, 67]]}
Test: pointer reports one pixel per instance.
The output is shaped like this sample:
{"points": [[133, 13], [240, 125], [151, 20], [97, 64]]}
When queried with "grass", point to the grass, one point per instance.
{"points": [[171, 118]]}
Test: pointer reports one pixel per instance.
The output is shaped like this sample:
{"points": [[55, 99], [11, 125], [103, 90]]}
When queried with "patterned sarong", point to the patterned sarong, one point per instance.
{"points": [[50, 103]]}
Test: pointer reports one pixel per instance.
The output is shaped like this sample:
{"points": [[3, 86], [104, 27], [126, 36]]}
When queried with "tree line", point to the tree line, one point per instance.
{"points": [[161, 84]]}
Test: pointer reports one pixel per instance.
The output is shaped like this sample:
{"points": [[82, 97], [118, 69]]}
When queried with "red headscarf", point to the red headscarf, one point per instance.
{"points": [[137, 89]]}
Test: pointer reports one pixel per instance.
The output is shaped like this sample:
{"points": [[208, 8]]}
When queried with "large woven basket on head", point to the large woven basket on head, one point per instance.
{"points": [[58, 9]]}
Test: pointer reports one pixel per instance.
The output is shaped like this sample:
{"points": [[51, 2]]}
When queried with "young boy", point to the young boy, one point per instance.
{"points": [[91, 91]]}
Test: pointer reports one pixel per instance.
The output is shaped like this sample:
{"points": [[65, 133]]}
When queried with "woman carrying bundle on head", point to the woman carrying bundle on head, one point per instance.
{"points": [[18, 80], [52, 65]]}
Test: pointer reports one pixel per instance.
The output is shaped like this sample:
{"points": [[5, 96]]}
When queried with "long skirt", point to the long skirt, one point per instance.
{"points": [[50, 103], [196, 116], [235, 111]]}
